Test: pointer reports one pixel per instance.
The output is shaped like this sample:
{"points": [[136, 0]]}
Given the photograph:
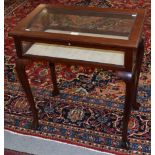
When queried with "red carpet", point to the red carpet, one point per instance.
{"points": [[11, 152], [97, 94]]}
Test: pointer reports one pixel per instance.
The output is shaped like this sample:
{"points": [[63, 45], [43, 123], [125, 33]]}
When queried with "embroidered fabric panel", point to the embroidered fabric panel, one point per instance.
{"points": [[77, 53]]}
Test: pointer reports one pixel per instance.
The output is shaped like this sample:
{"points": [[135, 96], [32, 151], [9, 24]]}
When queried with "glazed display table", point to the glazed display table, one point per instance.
{"points": [[107, 38]]}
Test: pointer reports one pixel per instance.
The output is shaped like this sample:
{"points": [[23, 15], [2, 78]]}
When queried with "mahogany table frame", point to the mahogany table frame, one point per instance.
{"points": [[129, 73]]}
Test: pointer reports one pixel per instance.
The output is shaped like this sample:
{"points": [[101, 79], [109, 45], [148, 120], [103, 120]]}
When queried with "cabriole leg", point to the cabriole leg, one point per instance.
{"points": [[53, 77], [126, 115], [140, 54], [20, 68]]}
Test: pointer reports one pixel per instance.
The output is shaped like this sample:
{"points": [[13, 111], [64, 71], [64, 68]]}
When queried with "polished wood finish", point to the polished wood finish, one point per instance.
{"points": [[126, 115], [20, 68], [136, 74], [53, 76], [132, 42], [129, 73]]}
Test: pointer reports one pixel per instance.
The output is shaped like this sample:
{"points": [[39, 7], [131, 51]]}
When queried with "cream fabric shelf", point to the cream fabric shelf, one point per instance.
{"points": [[77, 53]]}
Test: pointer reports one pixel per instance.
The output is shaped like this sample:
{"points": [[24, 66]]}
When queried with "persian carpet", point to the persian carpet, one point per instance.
{"points": [[10, 152], [88, 111]]}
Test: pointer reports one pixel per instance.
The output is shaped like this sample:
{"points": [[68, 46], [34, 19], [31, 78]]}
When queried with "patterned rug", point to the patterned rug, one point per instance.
{"points": [[11, 152], [88, 111]]}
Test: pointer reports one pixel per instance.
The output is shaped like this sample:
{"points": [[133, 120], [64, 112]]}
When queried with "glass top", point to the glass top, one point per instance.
{"points": [[79, 22]]}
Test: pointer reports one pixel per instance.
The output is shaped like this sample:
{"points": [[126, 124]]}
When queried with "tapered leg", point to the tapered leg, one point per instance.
{"points": [[53, 77], [126, 115], [140, 54], [135, 104], [20, 68]]}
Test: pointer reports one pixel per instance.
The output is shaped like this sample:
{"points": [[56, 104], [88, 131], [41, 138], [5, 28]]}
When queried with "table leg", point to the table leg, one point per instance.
{"points": [[140, 54], [126, 115], [135, 104], [53, 77], [20, 68], [131, 81]]}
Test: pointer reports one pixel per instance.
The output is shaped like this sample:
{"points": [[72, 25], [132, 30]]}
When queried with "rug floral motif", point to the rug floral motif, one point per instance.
{"points": [[88, 111]]}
